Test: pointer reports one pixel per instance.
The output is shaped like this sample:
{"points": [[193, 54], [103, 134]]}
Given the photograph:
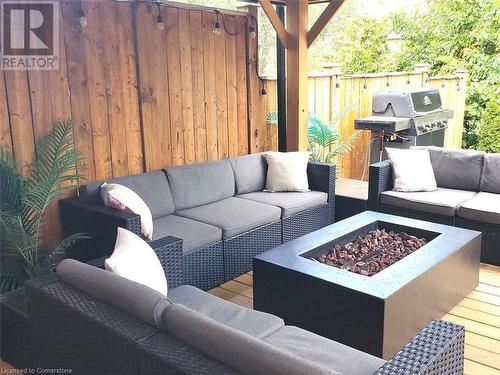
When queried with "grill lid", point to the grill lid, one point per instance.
{"points": [[410, 103]]}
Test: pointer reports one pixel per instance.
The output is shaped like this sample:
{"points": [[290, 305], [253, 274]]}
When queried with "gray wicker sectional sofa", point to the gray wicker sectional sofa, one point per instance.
{"points": [[211, 218], [468, 195], [94, 322]]}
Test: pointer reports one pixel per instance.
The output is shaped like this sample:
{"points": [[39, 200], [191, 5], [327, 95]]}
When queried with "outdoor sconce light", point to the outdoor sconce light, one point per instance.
{"points": [[83, 18]]}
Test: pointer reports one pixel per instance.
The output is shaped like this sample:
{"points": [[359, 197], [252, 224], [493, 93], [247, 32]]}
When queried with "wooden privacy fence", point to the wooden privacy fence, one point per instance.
{"points": [[329, 93], [142, 98]]}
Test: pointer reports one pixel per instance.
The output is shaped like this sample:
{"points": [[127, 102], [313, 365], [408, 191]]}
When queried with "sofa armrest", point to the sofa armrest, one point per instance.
{"points": [[380, 180], [169, 252], [437, 349], [321, 177], [100, 222]]}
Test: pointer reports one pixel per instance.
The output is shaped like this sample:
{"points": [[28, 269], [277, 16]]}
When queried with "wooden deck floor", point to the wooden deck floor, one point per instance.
{"points": [[479, 313]]}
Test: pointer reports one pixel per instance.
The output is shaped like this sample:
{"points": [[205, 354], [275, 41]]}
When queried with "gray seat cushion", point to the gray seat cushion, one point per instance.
{"points": [[324, 352], [194, 234], [197, 184], [252, 322], [139, 300], [490, 180], [457, 169], [484, 207], [233, 215], [440, 202], [289, 202], [235, 348], [250, 172], [152, 187]]}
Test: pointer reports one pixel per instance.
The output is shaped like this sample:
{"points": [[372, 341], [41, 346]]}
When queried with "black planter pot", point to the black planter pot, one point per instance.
{"points": [[16, 340]]}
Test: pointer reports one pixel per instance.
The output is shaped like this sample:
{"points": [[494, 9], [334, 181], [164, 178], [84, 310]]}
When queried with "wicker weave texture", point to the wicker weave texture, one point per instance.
{"points": [[79, 332], [164, 354], [204, 268], [490, 241], [18, 344], [304, 222], [437, 350], [99, 221], [239, 251], [380, 180], [169, 252], [321, 177]]}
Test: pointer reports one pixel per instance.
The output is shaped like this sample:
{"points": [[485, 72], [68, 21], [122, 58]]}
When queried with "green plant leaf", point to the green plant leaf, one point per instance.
{"points": [[24, 201]]}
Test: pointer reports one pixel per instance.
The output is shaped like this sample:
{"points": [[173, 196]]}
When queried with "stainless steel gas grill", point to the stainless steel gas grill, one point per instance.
{"points": [[403, 119]]}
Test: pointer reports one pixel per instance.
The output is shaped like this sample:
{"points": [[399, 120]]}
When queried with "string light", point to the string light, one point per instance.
{"points": [[217, 29], [83, 18], [252, 29], [252, 32], [159, 20]]}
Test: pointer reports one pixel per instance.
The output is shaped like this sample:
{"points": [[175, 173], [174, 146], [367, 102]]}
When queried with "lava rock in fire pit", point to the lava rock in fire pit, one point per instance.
{"points": [[373, 252]]}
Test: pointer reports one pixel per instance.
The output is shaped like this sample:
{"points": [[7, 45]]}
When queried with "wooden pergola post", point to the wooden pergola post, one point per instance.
{"points": [[296, 81], [297, 38]]}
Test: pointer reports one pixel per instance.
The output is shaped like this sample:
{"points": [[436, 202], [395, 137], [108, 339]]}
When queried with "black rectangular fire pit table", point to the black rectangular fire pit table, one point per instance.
{"points": [[377, 314]]}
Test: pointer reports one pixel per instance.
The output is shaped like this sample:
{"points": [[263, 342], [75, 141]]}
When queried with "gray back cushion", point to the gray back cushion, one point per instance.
{"points": [[136, 299], [250, 173], [457, 169], [237, 349], [490, 180], [198, 184], [152, 187]]}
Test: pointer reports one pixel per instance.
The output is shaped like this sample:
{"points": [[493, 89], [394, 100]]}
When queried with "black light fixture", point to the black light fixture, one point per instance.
{"points": [[252, 32], [217, 28], [159, 20], [252, 29], [82, 18]]}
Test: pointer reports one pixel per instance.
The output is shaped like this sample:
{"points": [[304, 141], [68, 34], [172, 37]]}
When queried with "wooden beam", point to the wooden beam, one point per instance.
{"points": [[275, 21], [322, 20], [296, 82]]}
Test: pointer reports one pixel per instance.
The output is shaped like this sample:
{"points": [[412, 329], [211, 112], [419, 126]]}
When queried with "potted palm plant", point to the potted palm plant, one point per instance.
{"points": [[24, 200], [324, 141]]}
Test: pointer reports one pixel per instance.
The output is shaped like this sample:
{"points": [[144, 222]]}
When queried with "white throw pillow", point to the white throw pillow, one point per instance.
{"points": [[125, 199], [287, 171], [135, 260], [412, 170]]}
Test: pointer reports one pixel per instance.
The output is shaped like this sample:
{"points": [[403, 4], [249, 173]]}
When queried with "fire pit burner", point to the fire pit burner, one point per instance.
{"points": [[373, 252]]}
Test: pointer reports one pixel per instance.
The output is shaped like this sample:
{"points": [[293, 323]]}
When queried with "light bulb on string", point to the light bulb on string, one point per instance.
{"points": [[159, 22], [82, 18], [217, 28], [252, 32]]}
